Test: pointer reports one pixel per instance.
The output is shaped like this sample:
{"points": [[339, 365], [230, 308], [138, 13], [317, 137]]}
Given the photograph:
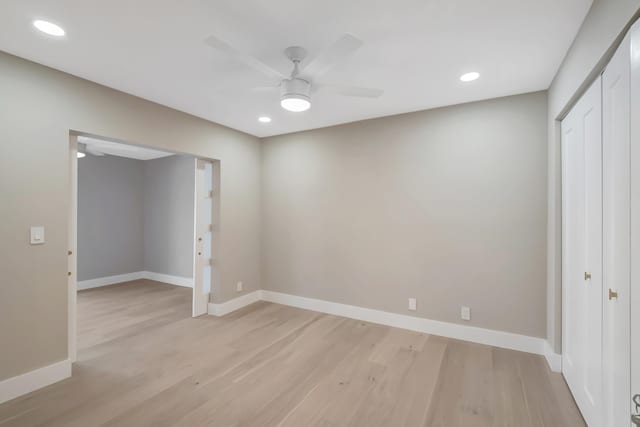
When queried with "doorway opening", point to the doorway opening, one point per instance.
{"points": [[143, 237]]}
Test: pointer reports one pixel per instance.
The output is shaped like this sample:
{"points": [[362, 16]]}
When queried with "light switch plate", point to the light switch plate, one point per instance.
{"points": [[465, 313], [239, 287], [413, 304], [37, 235]]}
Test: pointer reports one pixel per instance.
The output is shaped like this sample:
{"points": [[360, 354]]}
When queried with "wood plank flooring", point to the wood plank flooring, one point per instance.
{"points": [[143, 361]]}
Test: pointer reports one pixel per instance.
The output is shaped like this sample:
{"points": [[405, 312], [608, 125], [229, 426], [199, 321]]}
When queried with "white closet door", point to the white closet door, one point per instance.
{"points": [[582, 253], [635, 213], [616, 237]]}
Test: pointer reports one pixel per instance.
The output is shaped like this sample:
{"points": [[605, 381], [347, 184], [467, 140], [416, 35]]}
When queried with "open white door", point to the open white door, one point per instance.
{"points": [[203, 233]]}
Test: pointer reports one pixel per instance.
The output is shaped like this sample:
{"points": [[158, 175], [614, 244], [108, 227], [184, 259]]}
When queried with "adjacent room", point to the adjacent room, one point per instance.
{"points": [[297, 213], [135, 214], [135, 237]]}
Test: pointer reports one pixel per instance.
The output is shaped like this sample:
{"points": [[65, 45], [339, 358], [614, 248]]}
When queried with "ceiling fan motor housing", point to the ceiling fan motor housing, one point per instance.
{"points": [[295, 88]]}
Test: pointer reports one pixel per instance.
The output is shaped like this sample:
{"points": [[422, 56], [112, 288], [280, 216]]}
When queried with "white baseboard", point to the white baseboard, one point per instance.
{"points": [[234, 304], [450, 330], [149, 275], [474, 334], [34, 380], [187, 282], [110, 280], [553, 359]]}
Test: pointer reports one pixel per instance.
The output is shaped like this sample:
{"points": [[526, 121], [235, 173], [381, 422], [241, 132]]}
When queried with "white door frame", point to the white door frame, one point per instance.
{"points": [[72, 233], [72, 254], [635, 212]]}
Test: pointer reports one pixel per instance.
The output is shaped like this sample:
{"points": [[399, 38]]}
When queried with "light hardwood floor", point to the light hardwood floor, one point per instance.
{"points": [[143, 361]]}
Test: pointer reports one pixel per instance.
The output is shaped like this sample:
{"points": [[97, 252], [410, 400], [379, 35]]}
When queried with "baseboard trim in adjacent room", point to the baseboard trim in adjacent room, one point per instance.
{"points": [[235, 304], [110, 280], [186, 282], [450, 330], [553, 359], [34, 380]]}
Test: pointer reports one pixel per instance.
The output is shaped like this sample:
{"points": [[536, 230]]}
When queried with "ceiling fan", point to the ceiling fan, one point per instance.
{"points": [[84, 148], [296, 88]]}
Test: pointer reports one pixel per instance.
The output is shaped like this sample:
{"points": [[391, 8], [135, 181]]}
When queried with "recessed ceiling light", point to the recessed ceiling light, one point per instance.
{"points": [[49, 28], [81, 155], [264, 119], [469, 77]]}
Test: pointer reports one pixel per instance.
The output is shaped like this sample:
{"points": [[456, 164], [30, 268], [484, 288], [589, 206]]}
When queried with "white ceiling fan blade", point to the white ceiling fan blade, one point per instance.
{"points": [[86, 149], [252, 62], [361, 92], [334, 54]]}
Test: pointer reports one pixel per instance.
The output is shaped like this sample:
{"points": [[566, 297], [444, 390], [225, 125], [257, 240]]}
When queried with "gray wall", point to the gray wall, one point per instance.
{"points": [[38, 108], [135, 215], [446, 205], [110, 216], [590, 51], [168, 215]]}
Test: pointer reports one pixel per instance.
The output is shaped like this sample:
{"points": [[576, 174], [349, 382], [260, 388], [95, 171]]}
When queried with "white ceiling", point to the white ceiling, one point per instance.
{"points": [[121, 150], [414, 50]]}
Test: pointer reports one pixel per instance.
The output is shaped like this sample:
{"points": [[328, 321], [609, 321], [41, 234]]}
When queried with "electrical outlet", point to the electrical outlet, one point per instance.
{"points": [[465, 313], [239, 287], [413, 304]]}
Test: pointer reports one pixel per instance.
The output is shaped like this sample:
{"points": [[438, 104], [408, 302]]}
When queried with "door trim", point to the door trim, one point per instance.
{"points": [[72, 245]]}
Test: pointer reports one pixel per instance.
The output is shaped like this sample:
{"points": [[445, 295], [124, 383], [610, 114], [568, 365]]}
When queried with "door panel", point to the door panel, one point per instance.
{"points": [[616, 232], [591, 316], [572, 243], [203, 236], [582, 253]]}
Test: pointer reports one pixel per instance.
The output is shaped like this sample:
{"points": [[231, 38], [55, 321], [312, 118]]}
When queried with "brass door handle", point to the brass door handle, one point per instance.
{"points": [[68, 273], [69, 253], [613, 294], [587, 276]]}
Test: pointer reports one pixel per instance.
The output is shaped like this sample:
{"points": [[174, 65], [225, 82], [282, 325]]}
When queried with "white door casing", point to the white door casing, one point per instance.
{"points": [[582, 253], [72, 254], [635, 211]]}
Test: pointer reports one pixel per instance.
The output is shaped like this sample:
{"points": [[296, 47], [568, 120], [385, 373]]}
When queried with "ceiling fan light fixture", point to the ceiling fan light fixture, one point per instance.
{"points": [[295, 95], [82, 149], [295, 103]]}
